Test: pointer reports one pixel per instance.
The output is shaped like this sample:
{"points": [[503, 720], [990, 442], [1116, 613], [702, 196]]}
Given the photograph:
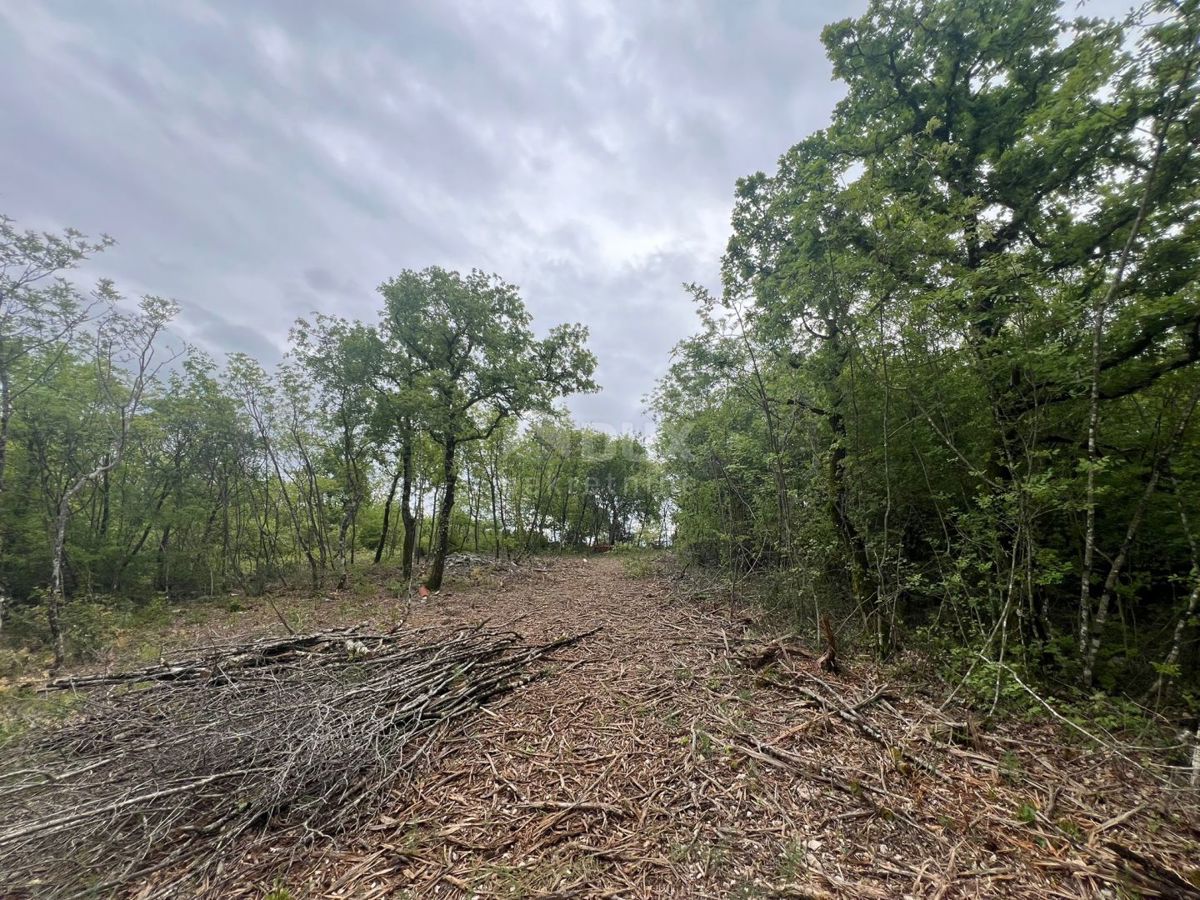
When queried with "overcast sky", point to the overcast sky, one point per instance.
{"points": [[261, 159]]}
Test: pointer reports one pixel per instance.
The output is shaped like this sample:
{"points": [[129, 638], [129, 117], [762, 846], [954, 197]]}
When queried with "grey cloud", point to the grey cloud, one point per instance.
{"points": [[212, 331], [259, 161], [323, 281]]}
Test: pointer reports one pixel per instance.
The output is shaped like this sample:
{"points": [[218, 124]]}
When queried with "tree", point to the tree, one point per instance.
{"points": [[621, 483], [399, 415], [39, 308], [343, 359], [971, 304], [475, 363], [39, 311], [124, 346], [793, 252]]}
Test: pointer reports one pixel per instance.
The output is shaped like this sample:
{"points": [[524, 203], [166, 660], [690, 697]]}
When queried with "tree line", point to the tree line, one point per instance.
{"points": [[133, 467], [950, 373]]}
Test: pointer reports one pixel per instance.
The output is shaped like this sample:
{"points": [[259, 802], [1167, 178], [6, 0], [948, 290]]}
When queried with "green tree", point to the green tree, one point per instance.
{"points": [[964, 318], [476, 363], [343, 359], [39, 309], [125, 354]]}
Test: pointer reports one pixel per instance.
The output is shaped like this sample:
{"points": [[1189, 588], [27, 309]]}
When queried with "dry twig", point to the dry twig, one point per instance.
{"points": [[207, 769]]}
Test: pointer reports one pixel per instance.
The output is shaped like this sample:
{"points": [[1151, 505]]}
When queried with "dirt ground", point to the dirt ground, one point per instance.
{"points": [[677, 753]]}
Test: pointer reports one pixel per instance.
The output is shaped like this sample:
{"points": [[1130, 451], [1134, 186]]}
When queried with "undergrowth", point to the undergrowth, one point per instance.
{"points": [[1034, 684]]}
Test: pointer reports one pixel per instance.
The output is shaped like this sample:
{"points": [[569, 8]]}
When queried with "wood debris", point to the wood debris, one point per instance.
{"points": [[192, 776]]}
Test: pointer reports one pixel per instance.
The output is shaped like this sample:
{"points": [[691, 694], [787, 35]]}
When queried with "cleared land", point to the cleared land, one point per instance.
{"points": [[681, 751]]}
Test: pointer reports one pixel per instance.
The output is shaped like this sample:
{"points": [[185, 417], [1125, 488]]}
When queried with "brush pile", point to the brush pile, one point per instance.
{"points": [[218, 767]]}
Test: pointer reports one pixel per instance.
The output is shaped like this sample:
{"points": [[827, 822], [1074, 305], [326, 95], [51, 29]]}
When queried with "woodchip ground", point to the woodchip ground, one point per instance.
{"points": [[681, 751], [660, 758]]}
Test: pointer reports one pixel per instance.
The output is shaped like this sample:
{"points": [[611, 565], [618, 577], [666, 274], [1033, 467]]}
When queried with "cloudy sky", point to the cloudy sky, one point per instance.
{"points": [[261, 159]]}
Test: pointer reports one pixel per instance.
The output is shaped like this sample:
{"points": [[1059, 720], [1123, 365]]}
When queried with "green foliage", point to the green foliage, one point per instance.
{"points": [[228, 481], [639, 564], [89, 624], [15, 663], [952, 357], [885, 411], [1115, 715], [1010, 767], [24, 708], [793, 861], [471, 363], [475, 360]]}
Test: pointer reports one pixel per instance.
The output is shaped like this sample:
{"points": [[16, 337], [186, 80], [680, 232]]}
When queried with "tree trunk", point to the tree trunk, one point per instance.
{"points": [[865, 593], [418, 519], [1099, 308], [438, 568], [109, 461], [1118, 564], [62, 520], [1195, 779], [495, 516], [5, 421], [343, 542], [387, 517], [406, 515], [1189, 613], [470, 507], [105, 508], [141, 542], [477, 503], [264, 435], [164, 544], [54, 610], [434, 511], [500, 507]]}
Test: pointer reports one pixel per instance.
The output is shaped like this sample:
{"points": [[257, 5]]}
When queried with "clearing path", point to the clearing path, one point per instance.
{"points": [[667, 756]]}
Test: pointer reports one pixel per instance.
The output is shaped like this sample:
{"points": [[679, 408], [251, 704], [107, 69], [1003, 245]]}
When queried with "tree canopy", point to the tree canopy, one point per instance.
{"points": [[135, 473], [961, 322]]}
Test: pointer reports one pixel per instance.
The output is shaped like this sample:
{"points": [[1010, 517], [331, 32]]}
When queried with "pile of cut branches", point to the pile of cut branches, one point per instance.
{"points": [[219, 765]]}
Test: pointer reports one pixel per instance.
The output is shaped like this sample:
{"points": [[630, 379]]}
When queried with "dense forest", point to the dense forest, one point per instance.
{"points": [[945, 394], [948, 386]]}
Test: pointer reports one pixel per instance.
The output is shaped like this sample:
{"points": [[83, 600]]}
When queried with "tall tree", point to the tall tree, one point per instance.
{"points": [[125, 354], [476, 363], [978, 287], [39, 308], [39, 312], [342, 358]]}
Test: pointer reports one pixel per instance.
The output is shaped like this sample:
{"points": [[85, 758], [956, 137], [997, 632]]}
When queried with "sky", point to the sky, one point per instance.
{"points": [[258, 160]]}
